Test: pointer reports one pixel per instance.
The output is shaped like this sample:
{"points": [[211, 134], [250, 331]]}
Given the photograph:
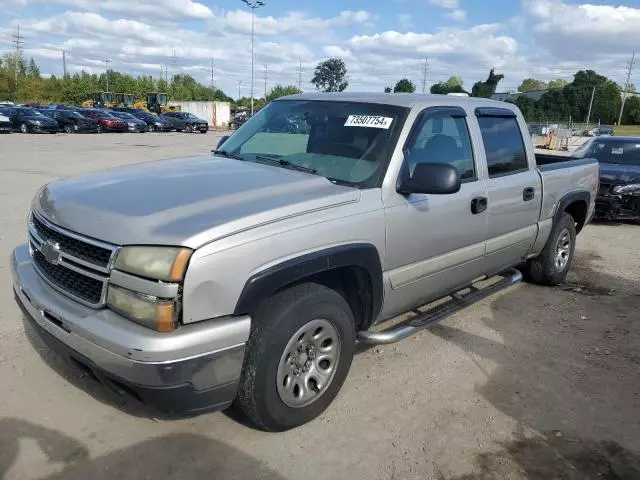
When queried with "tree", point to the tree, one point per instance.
{"points": [[387, 89], [404, 85], [32, 69], [453, 84], [330, 76], [557, 83], [281, 91], [531, 85], [488, 87], [631, 113]]}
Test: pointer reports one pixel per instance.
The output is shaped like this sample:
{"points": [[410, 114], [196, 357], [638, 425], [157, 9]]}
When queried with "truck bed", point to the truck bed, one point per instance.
{"points": [[546, 161]]}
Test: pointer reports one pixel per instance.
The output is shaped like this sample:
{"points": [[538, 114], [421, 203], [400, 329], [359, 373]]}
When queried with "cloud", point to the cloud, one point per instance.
{"points": [[406, 21], [445, 3], [457, 15], [335, 51], [571, 31], [480, 43]]}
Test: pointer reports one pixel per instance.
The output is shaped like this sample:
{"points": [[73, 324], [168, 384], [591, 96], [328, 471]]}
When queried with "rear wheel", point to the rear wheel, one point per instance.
{"points": [[99, 128], [298, 355], [552, 265], [68, 128], [24, 128]]}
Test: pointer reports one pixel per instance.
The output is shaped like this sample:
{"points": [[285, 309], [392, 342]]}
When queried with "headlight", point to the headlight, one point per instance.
{"points": [[159, 263], [36, 122], [131, 124], [150, 312], [621, 189]]}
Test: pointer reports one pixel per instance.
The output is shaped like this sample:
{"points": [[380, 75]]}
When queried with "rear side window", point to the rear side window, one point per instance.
{"points": [[503, 145]]}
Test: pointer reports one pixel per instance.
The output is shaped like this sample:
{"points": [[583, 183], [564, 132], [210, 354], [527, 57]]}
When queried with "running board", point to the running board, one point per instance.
{"points": [[423, 319]]}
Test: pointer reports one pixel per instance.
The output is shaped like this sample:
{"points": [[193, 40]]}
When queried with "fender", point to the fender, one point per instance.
{"points": [[265, 283], [567, 200]]}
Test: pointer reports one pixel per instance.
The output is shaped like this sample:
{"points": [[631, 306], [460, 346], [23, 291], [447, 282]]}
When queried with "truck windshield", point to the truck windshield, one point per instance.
{"points": [[348, 143], [623, 152]]}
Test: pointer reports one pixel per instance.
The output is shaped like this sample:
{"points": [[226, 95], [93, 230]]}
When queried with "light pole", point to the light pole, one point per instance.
{"points": [[253, 4], [106, 66]]}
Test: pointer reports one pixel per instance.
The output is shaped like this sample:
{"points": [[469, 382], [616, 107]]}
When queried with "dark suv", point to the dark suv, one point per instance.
{"points": [[186, 121], [70, 121]]}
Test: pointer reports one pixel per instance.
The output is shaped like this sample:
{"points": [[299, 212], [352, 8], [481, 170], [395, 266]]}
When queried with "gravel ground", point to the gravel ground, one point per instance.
{"points": [[533, 382]]}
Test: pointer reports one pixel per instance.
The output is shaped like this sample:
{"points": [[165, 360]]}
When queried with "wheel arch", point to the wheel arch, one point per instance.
{"points": [[354, 270], [575, 204]]}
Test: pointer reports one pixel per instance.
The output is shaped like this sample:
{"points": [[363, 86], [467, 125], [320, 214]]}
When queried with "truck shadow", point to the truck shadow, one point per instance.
{"points": [[567, 367], [178, 455]]}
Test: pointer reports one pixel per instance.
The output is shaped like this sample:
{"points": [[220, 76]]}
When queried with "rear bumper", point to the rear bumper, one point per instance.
{"points": [[195, 368]]}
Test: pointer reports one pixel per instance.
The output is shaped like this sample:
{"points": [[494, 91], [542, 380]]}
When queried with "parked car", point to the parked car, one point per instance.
{"points": [[106, 121], [154, 122], [134, 123], [5, 122], [601, 130], [29, 120], [619, 191], [70, 121], [186, 121], [250, 274]]}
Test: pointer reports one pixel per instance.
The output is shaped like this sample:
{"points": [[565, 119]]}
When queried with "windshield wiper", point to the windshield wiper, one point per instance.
{"points": [[286, 164], [228, 154]]}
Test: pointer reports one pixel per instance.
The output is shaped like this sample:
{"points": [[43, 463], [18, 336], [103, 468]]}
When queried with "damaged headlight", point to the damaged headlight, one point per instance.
{"points": [[627, 189]]}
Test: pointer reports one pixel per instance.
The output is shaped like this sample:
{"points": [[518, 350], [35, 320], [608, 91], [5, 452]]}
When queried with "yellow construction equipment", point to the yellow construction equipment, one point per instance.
{"points": [[156, 103], [124, 99], [99, 100]]}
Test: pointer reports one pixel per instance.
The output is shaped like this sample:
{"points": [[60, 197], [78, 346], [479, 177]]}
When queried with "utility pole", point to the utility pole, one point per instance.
{"points": [[64, 64], [106, 63], [239, 85], [300, 76], [265, 81], [253, 5], [593, 92], [166, 75], [18, 43], [626, 86], [424, 75], [212, 73]]}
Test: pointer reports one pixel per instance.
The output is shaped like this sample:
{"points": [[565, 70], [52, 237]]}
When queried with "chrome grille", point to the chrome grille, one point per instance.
{"points": [[604, 189], [82, 265]]}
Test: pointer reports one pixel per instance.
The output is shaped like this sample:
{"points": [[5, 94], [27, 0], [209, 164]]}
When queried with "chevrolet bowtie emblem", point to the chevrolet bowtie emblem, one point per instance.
{"points": [[51, 252]]}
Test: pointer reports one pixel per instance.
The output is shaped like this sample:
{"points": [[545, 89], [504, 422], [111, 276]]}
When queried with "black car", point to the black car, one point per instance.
{"points": [[5, 122], [134, 123], [131, 110], [619, 192], [70, 121], [29, 120], [186, 121], [154, 122]]}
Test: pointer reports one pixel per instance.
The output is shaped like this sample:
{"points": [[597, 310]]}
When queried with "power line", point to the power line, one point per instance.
{"points": [[626, 85], [18, 44]]}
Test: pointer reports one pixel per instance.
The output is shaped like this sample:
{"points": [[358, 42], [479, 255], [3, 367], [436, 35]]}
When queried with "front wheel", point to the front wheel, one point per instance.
{"points": [[24, 128], [189, 128], [152, 128], [552, 265], [298, 355], [68, 128], [99, 128]]}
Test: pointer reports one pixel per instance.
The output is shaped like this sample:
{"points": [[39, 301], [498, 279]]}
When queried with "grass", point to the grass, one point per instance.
{"points": [[627, 130]]}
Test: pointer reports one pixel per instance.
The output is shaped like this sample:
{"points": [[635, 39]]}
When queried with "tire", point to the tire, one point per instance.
{"points": [[552, 265], [178, 129], [267, 392], [99, 128], [152, 128], [68, 129], [24, 128], [203, 131], [189, 129]]}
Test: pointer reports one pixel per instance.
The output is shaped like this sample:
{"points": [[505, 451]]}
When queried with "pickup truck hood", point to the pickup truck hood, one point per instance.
{"points": [[190, 201], [616, 174]]}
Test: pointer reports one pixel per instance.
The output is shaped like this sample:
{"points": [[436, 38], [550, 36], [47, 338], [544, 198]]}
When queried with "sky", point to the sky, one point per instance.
{"points": [[380, 41]]}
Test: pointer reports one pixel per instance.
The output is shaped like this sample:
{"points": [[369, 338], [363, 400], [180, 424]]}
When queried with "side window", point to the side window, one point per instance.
{"points": [[503, 145], [442, 138]]}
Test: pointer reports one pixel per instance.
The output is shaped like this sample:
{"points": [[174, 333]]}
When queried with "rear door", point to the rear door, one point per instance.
{"points": [[514, 187]]}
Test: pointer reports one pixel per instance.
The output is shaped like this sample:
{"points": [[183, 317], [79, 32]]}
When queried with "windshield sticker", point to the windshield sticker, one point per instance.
{"points": [[616, 151], [368, 121]]}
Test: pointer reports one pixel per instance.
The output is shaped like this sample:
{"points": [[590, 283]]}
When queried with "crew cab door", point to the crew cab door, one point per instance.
{"points": [[435, 242], [514, 187]]}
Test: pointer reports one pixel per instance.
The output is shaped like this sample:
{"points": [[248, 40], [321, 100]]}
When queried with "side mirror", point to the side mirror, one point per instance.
{"points": [[432, 178], [221, 141]]}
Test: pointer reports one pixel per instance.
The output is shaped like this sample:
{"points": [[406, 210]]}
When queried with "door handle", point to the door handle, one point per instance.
{"points": [[528, 194], [478, 205]]}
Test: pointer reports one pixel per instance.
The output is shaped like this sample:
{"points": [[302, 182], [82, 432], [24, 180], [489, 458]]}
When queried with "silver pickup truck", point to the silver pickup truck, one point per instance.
{"points": [[249, 275]]}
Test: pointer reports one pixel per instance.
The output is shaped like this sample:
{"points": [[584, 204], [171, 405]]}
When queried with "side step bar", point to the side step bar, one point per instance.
{"points": [[439, 312]]}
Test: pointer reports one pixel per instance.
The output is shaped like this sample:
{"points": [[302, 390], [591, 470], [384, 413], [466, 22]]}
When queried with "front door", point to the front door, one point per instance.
{"points": [[435, 242]]}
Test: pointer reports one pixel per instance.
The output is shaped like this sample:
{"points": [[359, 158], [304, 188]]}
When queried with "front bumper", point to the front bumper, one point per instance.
{"points": [[139, 129], [611, 207], [195, 368], [44, 128]]}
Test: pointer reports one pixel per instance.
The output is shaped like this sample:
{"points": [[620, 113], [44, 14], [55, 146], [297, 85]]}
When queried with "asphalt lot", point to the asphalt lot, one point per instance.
{"points": [[533, 382]]}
